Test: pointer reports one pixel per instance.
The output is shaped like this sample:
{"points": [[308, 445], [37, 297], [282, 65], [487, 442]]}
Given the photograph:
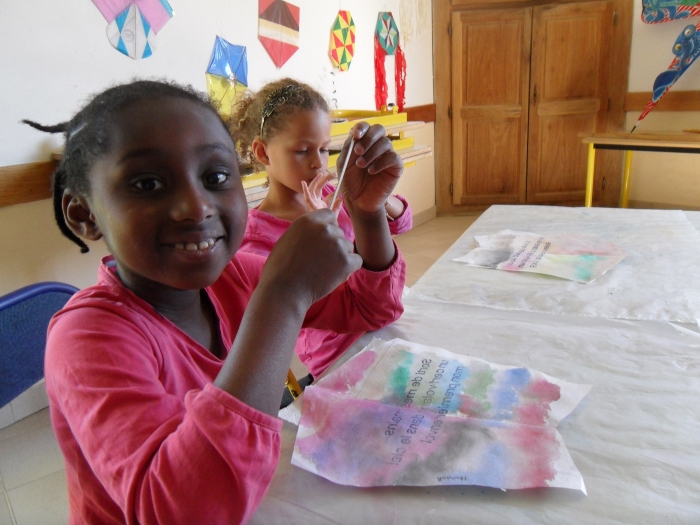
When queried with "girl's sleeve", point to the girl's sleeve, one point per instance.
{"points": [[403, 222], [207, 458], [367, 301]]}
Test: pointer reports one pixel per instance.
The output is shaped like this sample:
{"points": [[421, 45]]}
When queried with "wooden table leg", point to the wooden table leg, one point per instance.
{"points": [[624, 196], [589, 176]]}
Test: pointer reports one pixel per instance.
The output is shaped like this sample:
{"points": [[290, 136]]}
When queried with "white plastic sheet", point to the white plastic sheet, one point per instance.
{"points": [[658, 280], [635, 437]]}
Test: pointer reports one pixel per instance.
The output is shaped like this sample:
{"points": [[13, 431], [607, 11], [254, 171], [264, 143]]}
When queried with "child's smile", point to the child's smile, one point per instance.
{"points": [[167, 196]]}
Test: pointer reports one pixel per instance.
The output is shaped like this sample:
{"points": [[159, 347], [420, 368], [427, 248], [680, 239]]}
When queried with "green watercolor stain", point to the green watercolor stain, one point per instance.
{"points": [[584, 270], [477, 384], [401, 376]]}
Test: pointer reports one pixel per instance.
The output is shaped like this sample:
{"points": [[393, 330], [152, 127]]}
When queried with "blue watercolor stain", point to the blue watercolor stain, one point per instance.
{"points": [[506, 395]]}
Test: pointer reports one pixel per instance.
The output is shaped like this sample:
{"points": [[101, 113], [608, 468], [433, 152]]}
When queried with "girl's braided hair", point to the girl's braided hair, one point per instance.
{"points": [[88, 136], [276, 101]]}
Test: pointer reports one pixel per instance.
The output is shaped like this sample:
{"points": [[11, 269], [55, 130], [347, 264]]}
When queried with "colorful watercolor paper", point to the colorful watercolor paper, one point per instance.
{"points": [[400, 413], [582, 258]]}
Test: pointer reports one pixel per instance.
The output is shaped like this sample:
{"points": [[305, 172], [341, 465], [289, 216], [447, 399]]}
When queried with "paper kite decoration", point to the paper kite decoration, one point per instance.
{"points": [[278, 29], [686, 49], [657, 11], [386, 42], [227, 74], [343, 41], [133, 24]]}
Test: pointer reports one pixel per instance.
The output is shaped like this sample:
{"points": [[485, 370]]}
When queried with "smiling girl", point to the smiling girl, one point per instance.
{"points": [[164, 378], [285, 129]]}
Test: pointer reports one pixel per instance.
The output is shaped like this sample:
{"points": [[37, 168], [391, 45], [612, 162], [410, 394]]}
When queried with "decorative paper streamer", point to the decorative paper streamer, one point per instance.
{"points": [[342, 46], [582, 258], [133, 24], [658, 11], [687, 49], [386, 42], [400, 413], [227, 74], [278, 29]]}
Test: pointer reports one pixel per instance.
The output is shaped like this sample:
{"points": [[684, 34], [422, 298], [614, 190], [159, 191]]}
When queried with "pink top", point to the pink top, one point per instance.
{"points": [[317, 349], [146, 436]]}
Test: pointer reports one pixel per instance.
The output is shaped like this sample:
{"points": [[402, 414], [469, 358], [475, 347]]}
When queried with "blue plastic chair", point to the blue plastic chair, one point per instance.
{"points": [[24, 318]]}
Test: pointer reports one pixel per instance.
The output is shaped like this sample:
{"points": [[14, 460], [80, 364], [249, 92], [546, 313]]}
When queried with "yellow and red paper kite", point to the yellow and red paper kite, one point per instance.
{"points": [[342, 47]]}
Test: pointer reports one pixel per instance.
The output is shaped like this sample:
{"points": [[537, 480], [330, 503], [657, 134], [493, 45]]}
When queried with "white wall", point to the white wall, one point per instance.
{"points": [[662, 178], [53, 55]]}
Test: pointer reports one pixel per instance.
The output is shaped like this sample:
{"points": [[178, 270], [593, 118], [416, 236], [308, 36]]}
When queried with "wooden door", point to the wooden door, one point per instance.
{"points": [[568, 96], [490, 83]]}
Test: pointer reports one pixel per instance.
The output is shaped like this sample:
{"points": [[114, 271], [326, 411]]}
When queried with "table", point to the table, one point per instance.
{"points": [[668, 143], [634, 438]]}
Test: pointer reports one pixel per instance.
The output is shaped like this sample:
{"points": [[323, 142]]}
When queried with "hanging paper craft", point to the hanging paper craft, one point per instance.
{"points": [[133, 24], [657, 11], [342, 41], [227, 74], [687, 49], [386, 42], [278, 29], [400, 413], [581, 258]]}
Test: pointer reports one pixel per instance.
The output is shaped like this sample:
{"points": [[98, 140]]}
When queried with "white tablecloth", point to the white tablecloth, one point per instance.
{"points": [[635, 437], [659, 279]]}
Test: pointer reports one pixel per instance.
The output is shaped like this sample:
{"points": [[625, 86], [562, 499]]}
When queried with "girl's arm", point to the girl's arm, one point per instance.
{"points": [[371, 175], [292, 280]]}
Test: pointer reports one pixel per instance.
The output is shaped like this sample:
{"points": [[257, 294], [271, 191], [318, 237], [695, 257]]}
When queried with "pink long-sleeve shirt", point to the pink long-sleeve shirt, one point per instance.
{"points": [[147, 438], [317, 349]]}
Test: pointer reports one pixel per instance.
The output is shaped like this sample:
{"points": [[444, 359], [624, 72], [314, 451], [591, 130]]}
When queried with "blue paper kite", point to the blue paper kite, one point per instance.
{"points": [[227, 74]]}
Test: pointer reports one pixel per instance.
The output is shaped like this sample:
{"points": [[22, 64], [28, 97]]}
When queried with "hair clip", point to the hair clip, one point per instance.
{"points": [[275, 99]]}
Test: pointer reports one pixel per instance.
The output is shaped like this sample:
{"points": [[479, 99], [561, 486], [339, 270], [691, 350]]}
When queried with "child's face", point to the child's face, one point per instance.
{"points": [[167, 198], [299, 152]]}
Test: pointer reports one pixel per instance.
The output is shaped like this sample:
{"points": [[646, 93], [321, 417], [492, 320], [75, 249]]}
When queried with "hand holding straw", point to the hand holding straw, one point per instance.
{"points": [[342, 172]]}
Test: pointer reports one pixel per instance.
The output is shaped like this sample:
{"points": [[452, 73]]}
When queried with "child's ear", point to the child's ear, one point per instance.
{"points": [[79, 217], [260, 151]]}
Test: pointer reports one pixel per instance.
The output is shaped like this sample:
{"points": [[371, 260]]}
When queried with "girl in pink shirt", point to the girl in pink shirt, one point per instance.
{"points": [[285, 129], [165, 377]]}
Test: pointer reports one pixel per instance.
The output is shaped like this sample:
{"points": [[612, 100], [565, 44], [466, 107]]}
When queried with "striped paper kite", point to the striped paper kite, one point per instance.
{"points": [[278, 29], [342, 47], [687, 49]]}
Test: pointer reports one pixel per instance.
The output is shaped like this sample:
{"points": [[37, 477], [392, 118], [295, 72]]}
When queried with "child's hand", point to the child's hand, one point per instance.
{"points": [[313, 194], [311, 259], [373, 170]]}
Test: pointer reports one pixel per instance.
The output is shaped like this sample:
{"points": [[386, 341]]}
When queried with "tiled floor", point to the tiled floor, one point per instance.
{"points": [[32, 477]]}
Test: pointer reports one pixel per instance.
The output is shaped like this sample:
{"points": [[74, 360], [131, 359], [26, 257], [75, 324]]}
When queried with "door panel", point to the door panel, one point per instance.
{"points": [[490, 83], [569, 80]]}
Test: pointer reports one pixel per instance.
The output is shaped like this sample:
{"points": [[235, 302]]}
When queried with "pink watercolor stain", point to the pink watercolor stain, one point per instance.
{"points": [[540, 450], [535, 402], [347, 376]]}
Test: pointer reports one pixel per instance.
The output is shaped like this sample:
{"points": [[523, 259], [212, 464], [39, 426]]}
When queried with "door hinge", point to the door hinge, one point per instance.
{"points": [[534, 96], [449, 29], [451, 188], [614, 18], [449, 112]]}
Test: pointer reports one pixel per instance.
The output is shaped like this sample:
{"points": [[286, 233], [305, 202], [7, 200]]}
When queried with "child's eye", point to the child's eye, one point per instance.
{"points": [[148, 184], [216, 179]]}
